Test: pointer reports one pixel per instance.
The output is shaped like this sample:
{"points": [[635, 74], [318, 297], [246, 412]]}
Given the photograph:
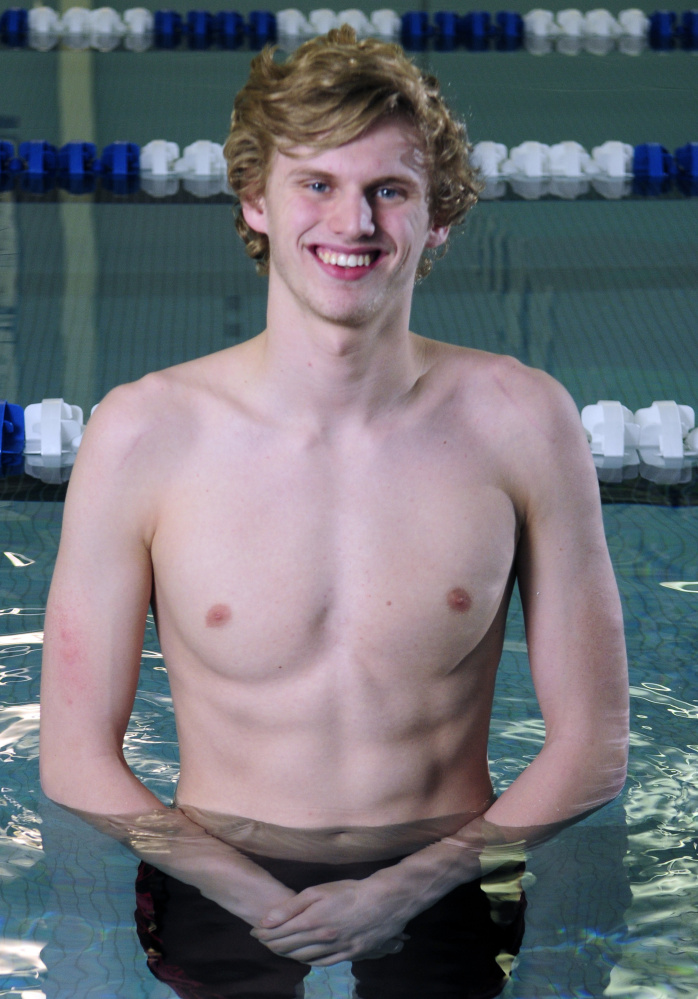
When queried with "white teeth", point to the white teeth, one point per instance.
{"points": [[342, 260]]}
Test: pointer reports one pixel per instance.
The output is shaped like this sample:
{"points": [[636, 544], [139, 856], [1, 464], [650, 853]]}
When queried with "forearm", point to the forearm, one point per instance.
{"points": [[424, 877], [568, 779], [170, 841], [561, 786], [110, 798]]}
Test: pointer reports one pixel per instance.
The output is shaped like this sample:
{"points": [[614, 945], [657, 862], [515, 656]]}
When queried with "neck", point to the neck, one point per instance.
{"points": [[325, 373]]}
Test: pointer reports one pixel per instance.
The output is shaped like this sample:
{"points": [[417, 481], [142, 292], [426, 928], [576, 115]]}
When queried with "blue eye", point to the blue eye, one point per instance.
{"points": [[387, 193], [319, 186]]}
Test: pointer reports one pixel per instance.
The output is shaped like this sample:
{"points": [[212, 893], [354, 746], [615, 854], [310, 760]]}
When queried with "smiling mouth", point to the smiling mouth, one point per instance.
{"points": [[348, 260]]}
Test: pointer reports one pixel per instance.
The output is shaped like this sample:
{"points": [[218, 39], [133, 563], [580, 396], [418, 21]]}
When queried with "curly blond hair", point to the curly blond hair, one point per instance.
{"points": [[329, 92]]}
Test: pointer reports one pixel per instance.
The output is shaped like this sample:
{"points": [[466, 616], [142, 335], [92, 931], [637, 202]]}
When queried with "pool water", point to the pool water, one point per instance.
{"points": [[96, 290], [612, 900]]}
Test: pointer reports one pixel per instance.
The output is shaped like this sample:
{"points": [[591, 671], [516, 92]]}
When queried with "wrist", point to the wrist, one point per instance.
{"points": [[426, 876]]}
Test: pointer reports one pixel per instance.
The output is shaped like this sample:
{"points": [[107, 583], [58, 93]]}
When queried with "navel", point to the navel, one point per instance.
{"points": [[459, 600], [218, 615]]}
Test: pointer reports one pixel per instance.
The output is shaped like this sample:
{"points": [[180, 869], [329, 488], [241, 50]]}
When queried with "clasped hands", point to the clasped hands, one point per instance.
{"points": [[338, 921]]}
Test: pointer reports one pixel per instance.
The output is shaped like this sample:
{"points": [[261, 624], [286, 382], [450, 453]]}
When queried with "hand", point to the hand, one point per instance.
{"points": [[253, 905], [329, 923]]}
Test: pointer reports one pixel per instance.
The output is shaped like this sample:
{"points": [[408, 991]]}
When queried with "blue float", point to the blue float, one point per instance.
{"points": [[77, 165], [510, 30], [653, 169], [415, 30], [229, 29], [200, 29], [447, 34], [39, 158], [12, 431], [686, 159], [650, 159], [120, 167], [7, 153], [167, 29], [476, 30], [261, 28], [662, 30], [77, 158], [121, 159], [14, 27], [688, 31]]}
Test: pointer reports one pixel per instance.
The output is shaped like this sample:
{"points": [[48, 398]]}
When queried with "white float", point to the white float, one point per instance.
{"points": [[158, 158], [52, 428], [386, 22]]}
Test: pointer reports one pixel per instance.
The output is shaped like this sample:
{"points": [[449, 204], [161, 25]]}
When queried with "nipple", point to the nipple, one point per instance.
{"points": [[218, 615], [459, 600]]}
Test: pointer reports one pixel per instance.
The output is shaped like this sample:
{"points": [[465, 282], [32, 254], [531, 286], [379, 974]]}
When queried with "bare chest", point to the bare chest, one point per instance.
{"points": [[288, 558]]}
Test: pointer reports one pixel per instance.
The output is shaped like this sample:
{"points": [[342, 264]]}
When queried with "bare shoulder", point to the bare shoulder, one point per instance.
{"points": [[524, 417], [125, 432], [535, 397], [517, 393], [161, 415], [134, 412], [136, 443]]}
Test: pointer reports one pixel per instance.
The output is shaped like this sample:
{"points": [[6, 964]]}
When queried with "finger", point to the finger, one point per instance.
{"points": [[326, 962], [289, 937], [302, 922], [389, 947], [287, 910], [291, 929], [317, 954]]}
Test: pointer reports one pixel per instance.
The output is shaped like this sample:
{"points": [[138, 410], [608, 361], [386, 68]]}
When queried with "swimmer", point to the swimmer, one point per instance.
{"points": [[328, 521]]}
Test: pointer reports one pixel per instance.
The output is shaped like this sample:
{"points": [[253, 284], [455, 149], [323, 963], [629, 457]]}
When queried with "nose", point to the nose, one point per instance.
{"points": [[352, 215]]}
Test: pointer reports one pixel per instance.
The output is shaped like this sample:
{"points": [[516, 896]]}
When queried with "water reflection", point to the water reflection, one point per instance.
{"points": [[464, 945], [575, 934]]}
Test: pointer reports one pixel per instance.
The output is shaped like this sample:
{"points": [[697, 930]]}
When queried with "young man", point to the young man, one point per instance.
{"points": [[328, 520]]}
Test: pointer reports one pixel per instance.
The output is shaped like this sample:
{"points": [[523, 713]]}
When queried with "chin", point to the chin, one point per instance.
{"points": [[351, 315], [351, 320]]}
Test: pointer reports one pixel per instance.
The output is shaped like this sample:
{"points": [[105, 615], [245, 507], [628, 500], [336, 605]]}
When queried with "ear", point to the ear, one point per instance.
{"points": [[255, 214], [437, 237]]}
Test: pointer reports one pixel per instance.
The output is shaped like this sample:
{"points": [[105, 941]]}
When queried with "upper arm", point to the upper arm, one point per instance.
{"points": [[99, 598], [572, 611]]}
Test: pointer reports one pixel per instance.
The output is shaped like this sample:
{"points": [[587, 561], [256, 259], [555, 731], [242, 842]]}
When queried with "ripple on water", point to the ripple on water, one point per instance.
{"points": [[20, 836], [19, 731], [660, 955]]}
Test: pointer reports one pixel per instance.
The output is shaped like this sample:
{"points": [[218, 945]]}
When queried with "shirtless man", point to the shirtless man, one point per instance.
{"points": [[328, 520]]}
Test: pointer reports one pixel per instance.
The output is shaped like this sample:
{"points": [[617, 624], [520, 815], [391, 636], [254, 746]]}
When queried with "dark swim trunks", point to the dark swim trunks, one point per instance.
{"points": [[460, 948]]}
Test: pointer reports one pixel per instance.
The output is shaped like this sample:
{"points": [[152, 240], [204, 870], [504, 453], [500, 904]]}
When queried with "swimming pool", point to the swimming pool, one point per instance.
{"points": [[95, 290]]}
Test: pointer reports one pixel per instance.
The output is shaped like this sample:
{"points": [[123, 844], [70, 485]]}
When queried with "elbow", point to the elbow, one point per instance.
{"points": [[611, 764], [614, 785], [619, 780], [62, 770], [52, 779]]}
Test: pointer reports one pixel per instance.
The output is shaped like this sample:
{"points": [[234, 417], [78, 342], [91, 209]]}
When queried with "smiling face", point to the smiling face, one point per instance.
{"points": [[347, 227]]}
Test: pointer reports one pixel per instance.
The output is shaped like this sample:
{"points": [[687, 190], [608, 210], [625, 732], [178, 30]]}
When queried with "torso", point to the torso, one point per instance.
{"points": [[332, 611]]}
